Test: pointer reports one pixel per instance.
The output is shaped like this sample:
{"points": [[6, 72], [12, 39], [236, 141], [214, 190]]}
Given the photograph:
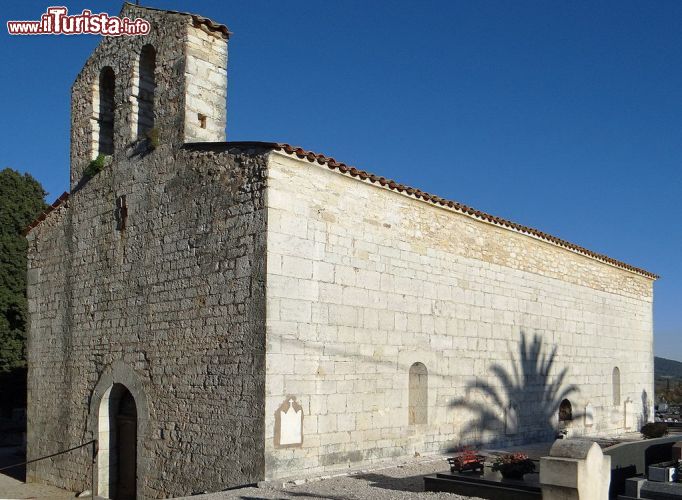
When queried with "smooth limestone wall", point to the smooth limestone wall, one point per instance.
{"points": [[362, 282], [205, 85]]}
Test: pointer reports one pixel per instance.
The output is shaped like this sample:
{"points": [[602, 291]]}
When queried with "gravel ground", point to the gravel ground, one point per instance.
{"points": [[13, 486], [401, 483]]}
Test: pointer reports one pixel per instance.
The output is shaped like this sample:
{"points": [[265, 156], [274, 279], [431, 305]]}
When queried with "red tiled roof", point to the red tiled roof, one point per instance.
{"points": [[41, 217], [442, 202]]}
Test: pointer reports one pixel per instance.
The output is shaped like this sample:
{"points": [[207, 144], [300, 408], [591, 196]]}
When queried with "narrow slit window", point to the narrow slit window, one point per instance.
{"points": [[615, 381], [202, 120]]}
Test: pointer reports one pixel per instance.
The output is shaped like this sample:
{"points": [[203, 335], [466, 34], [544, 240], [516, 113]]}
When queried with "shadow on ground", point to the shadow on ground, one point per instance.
{"points": [[10, 455], [410, 483], [314, 495], [290, 494]]}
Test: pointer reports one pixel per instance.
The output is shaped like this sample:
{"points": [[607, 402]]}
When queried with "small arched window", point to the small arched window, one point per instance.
{"points": [[615, 382], [418, 395], [565, 411], [143, 92], [103, 106]]}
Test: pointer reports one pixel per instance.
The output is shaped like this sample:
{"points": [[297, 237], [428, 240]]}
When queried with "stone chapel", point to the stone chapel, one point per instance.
{"points": [[220, 313]]}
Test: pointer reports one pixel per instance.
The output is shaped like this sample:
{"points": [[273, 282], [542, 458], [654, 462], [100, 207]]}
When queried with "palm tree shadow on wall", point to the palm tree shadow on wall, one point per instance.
{"points": [[526, 398]]}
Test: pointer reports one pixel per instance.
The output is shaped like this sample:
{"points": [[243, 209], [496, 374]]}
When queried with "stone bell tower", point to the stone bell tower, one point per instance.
{"points": [[150, 92]]}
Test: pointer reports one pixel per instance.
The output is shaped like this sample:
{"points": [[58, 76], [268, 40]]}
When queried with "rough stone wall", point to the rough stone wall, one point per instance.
{"points": [[363, 282], [177, 296]]}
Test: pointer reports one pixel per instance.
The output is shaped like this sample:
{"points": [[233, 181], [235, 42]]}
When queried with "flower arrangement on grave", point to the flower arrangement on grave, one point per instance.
{"points": [[513, 465], [466, 459]]}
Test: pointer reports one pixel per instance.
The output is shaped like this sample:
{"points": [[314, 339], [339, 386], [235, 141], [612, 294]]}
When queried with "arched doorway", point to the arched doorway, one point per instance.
{"points": [[126, 444], [117, 456]]}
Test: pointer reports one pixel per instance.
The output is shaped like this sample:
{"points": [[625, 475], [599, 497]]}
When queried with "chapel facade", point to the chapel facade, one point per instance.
{"points": [[219, 313]]}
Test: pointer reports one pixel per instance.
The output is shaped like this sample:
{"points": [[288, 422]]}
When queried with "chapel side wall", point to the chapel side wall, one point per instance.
{"points": [[176, 297], [50, 377], [362, 282]]}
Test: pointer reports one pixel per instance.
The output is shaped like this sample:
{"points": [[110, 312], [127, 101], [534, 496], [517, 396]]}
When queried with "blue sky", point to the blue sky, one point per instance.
{"points": [[565, 116]]}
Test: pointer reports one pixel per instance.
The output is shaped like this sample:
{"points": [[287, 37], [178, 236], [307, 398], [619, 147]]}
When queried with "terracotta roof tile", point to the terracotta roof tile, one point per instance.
{"points": [[57, 203]]}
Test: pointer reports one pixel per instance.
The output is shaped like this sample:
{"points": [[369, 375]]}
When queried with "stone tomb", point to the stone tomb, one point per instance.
{"points": [[486, 484]]}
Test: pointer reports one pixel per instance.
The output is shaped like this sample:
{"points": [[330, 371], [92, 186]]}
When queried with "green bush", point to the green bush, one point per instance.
{"points": [[95, 166], [654, 430]]}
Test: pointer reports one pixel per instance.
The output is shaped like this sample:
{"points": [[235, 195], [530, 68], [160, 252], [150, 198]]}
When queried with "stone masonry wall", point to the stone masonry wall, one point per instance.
{"points": [[167, 294], [190, 77], [363, 282], [205, 86], [177, 297]]}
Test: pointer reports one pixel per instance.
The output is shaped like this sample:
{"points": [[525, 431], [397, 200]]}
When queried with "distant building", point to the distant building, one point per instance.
{"points": [[219, 313]]}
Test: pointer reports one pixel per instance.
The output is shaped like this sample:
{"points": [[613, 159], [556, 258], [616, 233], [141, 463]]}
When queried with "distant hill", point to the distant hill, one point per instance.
{"points": [[667, 368]]}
